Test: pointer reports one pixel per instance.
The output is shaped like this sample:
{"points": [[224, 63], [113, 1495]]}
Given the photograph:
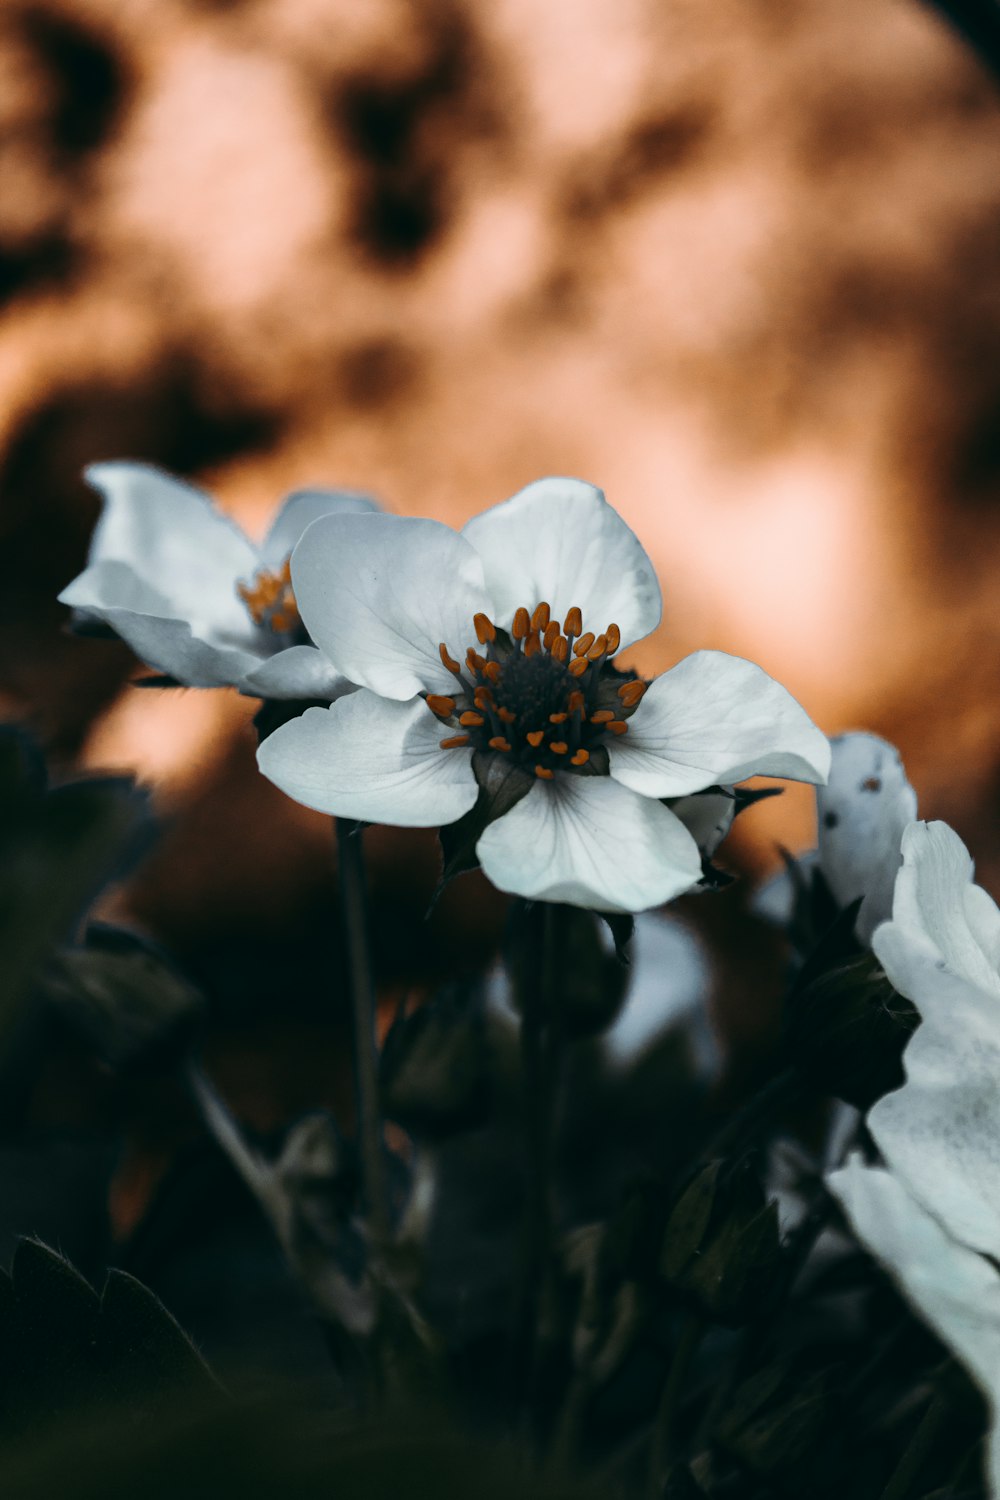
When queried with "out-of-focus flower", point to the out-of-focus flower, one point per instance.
{"points": [[953, 1288], [861, 813], [564, 757], [192, 595], [935, 1214]]}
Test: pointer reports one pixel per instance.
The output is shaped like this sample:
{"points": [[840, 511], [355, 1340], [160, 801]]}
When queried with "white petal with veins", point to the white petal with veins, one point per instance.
{"points": [[716, 718], [378, 594], [560, 541], [300, 510], [586, 841], [371, 758]]}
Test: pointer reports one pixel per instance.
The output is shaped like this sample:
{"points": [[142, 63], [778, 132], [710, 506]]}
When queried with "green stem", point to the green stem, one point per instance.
{"points": [[540, 1049], [665, 1426], [350, 853], [756, 1114]]}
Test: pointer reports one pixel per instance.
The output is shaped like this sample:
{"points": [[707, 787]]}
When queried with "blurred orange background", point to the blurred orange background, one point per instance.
{"points": [[737, 264]]}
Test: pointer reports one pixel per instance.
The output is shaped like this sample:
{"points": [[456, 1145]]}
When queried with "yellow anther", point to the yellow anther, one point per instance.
{"points": [[540, 618], [575, 702], [543, 773], [521, 625], [631, 692], [578, 667], [602, 716], [598, 649], [440, 705], [558, 718], [449, 661], [469, 720], [533, 644], [492, 671], [455, 742], [580, 758], [550, 634], [617, 726], [474, 661], [558, 747], [614, 636], [560, 648], [483, 699], [498, 743], [574, 621], [584, 643], [535, 737], [505, 716], [486, 631]]}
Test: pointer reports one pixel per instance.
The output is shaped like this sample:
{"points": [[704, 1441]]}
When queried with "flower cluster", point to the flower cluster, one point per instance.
{"points": [[469, 673]]}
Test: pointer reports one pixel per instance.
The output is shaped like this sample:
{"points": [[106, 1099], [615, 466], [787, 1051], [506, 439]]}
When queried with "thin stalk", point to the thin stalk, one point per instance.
{"points": [[540, 1048], [353, 901], [665, 1426]]}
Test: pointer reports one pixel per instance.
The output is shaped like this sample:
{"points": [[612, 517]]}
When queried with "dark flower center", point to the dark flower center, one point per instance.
{"points": [[544, 695]]}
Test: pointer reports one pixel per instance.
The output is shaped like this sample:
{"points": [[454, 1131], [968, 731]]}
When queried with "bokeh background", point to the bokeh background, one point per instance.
{"points": [[738, 264]]}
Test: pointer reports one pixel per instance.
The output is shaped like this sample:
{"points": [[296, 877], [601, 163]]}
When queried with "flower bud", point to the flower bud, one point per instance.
{"points": [[721, 1244], [775, 1419]]}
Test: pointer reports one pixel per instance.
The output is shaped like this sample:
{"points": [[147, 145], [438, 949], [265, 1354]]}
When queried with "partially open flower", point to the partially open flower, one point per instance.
{"points": [[487, 663], [182, 585]]}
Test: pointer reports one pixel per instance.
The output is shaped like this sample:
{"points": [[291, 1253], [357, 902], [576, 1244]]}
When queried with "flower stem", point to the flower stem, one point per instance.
{"points": [[350, 853], [914, 1460], [665, 1425], [541, 1040]]}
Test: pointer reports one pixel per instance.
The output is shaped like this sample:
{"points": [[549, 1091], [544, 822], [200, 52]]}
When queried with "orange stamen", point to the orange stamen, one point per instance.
{"points": [[449, 661], [558, 718], [486, 631], [535, 737], [505, 716], [614, 639], [281, 622], [492, 671], [580, 758], [598, 649], [584, 643], [455, 742], [558, 747], [574, 621], [469, 720], [617, 726], [631, 692], [483, 699], [498, 743], [560, 648], [543, 773], [533, 644], [578, 667], [602, 716], [540, 618], [521, 625], [575, 702], [551, 634], [440, 705]]}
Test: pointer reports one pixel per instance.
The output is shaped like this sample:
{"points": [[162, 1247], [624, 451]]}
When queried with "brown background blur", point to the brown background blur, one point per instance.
{"points": [[736, 263]]}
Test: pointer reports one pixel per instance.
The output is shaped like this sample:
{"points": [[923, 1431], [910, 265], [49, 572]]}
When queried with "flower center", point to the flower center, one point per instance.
{"points": [[270, 601], [545, 695]]}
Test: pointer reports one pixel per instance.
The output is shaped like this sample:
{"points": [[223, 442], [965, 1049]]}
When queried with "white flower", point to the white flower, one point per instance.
{"points": [[192, 595], [534, 598], [934, 1215], [861, 813], [953, 1288]]}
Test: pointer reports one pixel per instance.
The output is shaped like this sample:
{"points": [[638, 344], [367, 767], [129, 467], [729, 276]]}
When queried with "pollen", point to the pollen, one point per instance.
{"points": [[535, 692], [270, 601], [486, 631]]}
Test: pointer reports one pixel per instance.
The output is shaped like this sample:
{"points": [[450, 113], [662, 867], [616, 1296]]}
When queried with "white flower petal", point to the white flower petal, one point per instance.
{"points": [[300, 510], [378, 594], [668, 984], [586, 841], [370, 758], [716, 718], [559, 541], [174, 538], [935, 896], [956, 1291], [941, 1131], [861, 814], [707, 818], [298, 672]]}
